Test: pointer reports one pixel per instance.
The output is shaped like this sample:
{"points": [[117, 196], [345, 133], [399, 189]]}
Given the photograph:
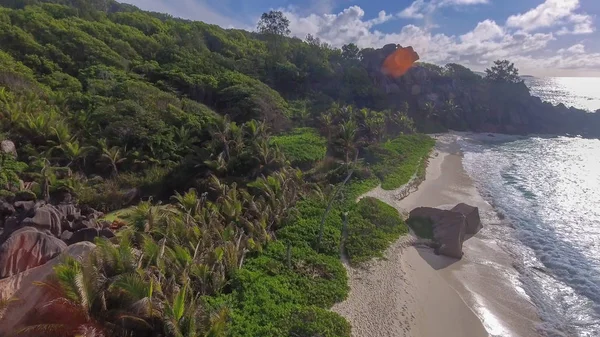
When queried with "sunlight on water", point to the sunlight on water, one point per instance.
{"points": [[579, 92], [549, 190]]}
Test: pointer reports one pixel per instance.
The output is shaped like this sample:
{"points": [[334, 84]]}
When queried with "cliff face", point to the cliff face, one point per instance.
{"points": [[467, 102]]}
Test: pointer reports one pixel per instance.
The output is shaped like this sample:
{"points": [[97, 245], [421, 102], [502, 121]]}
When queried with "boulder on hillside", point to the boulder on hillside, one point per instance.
{"points": [[471, 214], [25, 207], [69, 211], [89, 234], [6, 209], [448, 229], [28, 295], [8, 147], [27, 248], [47, 217], [10, 225]]}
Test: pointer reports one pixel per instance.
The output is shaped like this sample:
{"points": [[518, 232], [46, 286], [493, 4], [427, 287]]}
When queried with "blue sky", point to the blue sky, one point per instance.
{"points": [[542, 37]]}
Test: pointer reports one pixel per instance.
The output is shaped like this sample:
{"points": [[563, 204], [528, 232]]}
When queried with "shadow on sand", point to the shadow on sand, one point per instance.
{"points": [[438, 262]]}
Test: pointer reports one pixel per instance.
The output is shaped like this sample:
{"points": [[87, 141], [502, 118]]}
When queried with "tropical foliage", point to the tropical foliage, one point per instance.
{"points": [[238, 156]]}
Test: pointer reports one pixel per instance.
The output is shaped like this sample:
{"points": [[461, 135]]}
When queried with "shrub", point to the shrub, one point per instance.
{"points": [[271, 299], [372, 226], [396, 161], [302, 146], [304, 229]]}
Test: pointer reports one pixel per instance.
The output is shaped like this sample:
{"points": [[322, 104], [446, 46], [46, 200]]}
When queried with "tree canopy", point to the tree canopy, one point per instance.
{"points": [[503, 71], [274, 22]]}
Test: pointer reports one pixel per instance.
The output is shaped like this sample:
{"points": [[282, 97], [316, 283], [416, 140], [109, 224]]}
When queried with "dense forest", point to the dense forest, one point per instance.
{"points": [[230, 161]]}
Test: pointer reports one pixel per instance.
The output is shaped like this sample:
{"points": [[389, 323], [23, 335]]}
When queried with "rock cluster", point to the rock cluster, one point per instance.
{"points": [[27, 295], [34, 232], [450, 227]]}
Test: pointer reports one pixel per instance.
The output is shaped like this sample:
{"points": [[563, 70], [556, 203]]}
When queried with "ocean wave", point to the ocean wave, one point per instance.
{"points": [[537, 185]]}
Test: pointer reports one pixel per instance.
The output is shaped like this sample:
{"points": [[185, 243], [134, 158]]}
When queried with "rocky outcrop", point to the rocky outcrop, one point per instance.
{"points": [[448, 229], [27, 248], [89, 234], [33, 232], [449, 226], [26, 294], [7, 146], [46, 217], [471, 214]]}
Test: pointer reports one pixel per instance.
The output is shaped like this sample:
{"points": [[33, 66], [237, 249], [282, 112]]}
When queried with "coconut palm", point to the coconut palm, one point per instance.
{"points": [[347, 137], [75, 306], [73, 151], [113, 156]]}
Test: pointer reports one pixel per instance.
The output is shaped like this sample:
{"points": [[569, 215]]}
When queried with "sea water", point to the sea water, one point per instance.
{"points": [[547, 191]]}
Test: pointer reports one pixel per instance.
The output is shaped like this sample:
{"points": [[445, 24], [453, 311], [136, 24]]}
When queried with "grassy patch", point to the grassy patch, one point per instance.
{"points": [[118, 215], [302, 146], [372, 226], [396, 161], [423, 227]]}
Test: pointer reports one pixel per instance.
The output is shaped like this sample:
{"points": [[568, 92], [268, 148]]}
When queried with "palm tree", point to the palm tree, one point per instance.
{"points": [[222, 136], [46, 175], [73, 151], [112, 155], [327, 120], [257, 131], [74, 293], [347, 137]]}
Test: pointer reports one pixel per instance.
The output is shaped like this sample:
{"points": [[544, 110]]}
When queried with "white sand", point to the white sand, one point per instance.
{"points": [[413, 292]]}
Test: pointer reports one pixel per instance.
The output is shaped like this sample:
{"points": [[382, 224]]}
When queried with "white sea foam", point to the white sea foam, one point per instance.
{"points": [[548, 192]]}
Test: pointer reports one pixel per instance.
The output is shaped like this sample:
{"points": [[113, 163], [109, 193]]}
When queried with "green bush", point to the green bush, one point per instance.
{"points": [[304, 229], [372, 226], [423, 227], [302, 146], [272, 299], [397, 160]]}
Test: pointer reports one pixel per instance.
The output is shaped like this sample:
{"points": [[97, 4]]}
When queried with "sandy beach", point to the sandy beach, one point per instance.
{"points": [[413, 292]]}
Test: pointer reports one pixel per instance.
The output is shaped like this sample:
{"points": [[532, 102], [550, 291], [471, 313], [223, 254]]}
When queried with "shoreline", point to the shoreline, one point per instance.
{"points": [[401, 294]]}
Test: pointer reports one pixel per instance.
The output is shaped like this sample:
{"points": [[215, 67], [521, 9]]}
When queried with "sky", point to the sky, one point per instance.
{"points": [[542, 37]]}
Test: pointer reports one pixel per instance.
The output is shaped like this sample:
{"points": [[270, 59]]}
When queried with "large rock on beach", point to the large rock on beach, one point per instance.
{"points": [[471, 214], [30, 297], [448, 229], [27, 248]]}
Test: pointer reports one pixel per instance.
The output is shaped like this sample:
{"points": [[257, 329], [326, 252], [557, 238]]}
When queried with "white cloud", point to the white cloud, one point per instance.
{"points": [[415, 10], [553, 13], [381, 18], [478, 48], [574, 49], [486, 41], [419, 9], [484, 31]]}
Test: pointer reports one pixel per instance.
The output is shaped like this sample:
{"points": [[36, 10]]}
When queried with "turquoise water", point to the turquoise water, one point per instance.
{"points": [[547, 190]]}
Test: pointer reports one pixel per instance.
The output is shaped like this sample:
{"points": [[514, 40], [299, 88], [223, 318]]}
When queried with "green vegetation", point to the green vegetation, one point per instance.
{"points": [[302, 146], [396, 161], [372, 226], [423, 227], [503, 71], [167, 125]]}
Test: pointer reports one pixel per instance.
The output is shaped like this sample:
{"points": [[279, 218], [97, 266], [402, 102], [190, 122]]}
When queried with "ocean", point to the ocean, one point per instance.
{"points": [[547, 193]]}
